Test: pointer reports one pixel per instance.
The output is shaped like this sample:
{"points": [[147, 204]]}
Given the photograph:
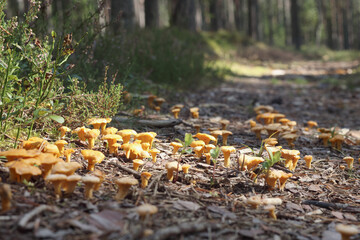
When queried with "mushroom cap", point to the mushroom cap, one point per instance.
{"points": [[34, 143], [347, 229], [226, 133], [337, 138], [99, 174], [13, 154], [53, 149], [126, 181], [289, 136], [68, 151], [28, 169], [175, 110], [138, 161], [159, 100], [185, 166], [224, 121], [56, 177], [208, 147], [176, 144], [269, 207], [48, 158], [73, 178], [177, 106], [254, 200], [154, 150], [66, 168], [145, 136], [348, 158], [197, 143], [61, 142], [289, 152], [312, 124], [93, 121], [324, 135], [205, 137], [146, 175], [263, 108], [146, 209], [291, 123], [93, 133], [258, 127], [198, 148], [194, 109], [273, 126], [90, 179], [228, 149], [110, 130], [92, 155], [126, 132], [112, 137], [172, 165], [272, 201], [64, 128], [250, 161]]}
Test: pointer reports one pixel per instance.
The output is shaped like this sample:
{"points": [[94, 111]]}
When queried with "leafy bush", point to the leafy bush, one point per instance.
{"points": [[29, 71]]}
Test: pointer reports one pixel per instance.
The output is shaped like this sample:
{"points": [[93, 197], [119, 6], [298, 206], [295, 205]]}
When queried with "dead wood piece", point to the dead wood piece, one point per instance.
{"points": [[149, 123], [183, 228], [84, 227], [332, 205], [28, 216], [129, 170]]}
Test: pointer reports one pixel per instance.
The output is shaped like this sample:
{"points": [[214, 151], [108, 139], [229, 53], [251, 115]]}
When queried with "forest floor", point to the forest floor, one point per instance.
{"points": [[194, 207]]}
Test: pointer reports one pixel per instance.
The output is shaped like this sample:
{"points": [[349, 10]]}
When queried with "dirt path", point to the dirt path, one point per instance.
{"points": [[195, 207]]}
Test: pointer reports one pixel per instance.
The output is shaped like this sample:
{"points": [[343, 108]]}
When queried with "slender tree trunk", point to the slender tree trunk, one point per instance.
{"points": [[295, 27], [253, 19], [286, 17], [156, 13], [105, 14], [130, 14], [187, 14], [269, 10]]}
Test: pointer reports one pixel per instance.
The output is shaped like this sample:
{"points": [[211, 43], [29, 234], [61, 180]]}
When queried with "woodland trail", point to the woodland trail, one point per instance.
{"points": [[194, 207]]}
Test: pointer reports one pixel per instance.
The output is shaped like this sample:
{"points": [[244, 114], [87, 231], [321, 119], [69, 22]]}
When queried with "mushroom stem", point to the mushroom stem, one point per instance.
{"points": [[91, 143], [91, 166], [122, 192], [226, 159], [89, 188], [308, 159], [5, 194]]}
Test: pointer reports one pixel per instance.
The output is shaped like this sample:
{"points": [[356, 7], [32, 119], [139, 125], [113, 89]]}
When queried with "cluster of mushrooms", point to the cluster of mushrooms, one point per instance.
{"points": [[37, 158]]}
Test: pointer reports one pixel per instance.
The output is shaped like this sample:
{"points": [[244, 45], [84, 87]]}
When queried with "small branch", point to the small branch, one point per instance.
{"points": [[183, 228], [129, 170], [332, 205], [28, 216]]}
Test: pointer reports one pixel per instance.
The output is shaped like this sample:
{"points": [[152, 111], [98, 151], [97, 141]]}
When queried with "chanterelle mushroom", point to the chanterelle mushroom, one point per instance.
{"points": [[146, 210], [90, 182], [124, 185], [346, 231]]}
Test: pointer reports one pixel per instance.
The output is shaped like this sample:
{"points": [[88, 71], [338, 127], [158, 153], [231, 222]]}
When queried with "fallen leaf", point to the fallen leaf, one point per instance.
{"points": [[338, 215], [223, 212], [330, 235], [314, 188], [293, 206], [108, 220], [186, 205]]}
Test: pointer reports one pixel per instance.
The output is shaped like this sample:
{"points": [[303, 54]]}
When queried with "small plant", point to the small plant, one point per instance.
{"points": [[188, 139], [214, 153]]}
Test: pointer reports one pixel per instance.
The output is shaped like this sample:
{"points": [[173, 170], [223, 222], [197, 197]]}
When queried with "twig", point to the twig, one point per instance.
{"points": [[183, 228], [332, 205], [129, 170], [28, 216]]}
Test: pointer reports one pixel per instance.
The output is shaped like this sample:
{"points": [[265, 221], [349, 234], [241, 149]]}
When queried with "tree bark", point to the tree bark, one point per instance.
{"points": [[156, 13], [295, 27], [187, 14], [130, 14]]}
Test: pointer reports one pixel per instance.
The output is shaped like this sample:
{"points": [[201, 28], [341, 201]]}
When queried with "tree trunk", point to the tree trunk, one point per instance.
{"points": [[104, 15], [269, 10], [187, 14], [286, 18], [295, 27], [130, 13], [156, 13], [253, 19]]}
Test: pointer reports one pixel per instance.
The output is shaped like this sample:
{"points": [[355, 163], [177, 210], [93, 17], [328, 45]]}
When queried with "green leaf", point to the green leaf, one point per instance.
{"points": [[188, 139], [215, 152], [57, 118]]}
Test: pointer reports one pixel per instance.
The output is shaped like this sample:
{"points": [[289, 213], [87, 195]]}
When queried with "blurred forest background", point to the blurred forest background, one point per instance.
{"points": [[68, 60], [179, 42]]}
